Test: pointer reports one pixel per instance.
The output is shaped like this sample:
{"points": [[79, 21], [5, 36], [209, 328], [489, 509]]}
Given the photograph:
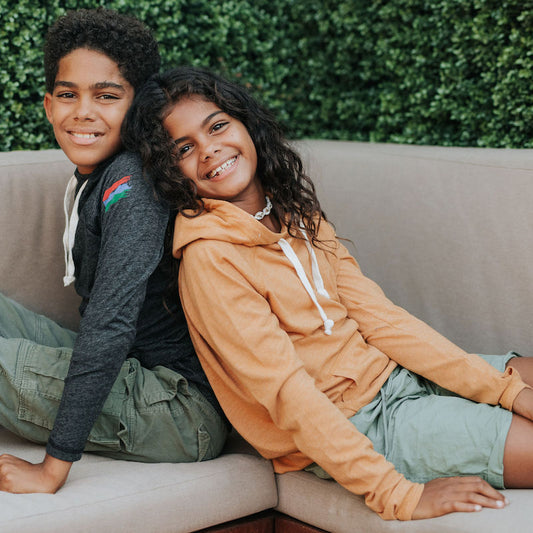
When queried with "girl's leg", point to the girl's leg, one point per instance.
{"points": [[518, 454], [427, 435], [524, 365]]}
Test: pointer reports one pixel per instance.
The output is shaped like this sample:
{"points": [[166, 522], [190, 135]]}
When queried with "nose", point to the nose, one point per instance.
{"points": [[208, 150], [84, 108]]}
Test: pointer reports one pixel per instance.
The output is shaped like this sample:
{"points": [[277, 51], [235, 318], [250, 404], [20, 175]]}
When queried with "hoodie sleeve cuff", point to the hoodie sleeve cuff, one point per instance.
{"points": [[405, 512], [514, 387], [63, 455]]}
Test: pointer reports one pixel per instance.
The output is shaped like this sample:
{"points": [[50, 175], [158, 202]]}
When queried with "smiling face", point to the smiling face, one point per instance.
{"points": [[87, 107], [216, 152]]}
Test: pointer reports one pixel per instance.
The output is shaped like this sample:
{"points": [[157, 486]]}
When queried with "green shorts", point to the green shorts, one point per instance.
{"points": [[428, 432]]}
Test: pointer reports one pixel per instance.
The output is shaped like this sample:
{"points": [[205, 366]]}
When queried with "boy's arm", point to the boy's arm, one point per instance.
{"points": [[133, 225], [132, 245], [21, 477]]}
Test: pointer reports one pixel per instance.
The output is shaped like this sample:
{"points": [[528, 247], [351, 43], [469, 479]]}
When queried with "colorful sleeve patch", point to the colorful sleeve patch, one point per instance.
{"points": [[119, 189]]}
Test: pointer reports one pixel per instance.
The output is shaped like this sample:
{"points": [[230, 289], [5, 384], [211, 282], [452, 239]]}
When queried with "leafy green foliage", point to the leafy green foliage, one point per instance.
{"points": [[445, 72]]}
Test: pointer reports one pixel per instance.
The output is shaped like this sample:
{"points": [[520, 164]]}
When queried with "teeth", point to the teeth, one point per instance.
{"points": [[84, 135], [222, 167]]}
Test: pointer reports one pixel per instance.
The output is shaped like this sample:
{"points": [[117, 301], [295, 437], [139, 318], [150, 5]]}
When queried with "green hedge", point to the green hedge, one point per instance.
{"points": [[442, 72]]}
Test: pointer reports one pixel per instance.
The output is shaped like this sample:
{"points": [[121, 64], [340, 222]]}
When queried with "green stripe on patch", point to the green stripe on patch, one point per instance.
{"points": [[115, 199]]}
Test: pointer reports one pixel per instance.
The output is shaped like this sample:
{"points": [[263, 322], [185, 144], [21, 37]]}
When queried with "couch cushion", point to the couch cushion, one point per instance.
{"points": [[32, 223], [445, 231], [327, 505], [120, 496]]}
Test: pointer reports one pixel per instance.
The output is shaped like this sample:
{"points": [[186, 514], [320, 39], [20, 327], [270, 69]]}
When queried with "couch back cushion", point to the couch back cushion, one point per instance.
{"points": [[32, 184], [447, 232]]}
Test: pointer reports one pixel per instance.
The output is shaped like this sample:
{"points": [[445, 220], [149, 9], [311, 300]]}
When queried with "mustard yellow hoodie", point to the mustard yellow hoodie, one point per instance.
{"points": [[294, 340]]}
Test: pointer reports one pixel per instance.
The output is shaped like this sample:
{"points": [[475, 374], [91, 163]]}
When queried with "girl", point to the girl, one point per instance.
{"points": [[310, 361]]}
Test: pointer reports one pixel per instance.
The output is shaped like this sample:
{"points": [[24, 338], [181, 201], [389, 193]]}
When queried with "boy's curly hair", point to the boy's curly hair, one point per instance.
{"points": [[124, 39], [279, 168]]}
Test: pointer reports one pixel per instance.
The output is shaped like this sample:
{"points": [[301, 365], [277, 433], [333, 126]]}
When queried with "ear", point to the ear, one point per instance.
{"points": [[47, 104]]}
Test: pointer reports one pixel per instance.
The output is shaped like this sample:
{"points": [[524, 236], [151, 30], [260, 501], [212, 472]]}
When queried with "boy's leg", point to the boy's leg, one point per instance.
{"points": [[26, 335], [28, 401], [17, 322], [166, 419], [149, 415]]}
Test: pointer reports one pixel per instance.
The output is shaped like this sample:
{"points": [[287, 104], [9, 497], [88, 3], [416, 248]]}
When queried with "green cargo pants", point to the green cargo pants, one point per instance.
{"points": [[150, 415]]}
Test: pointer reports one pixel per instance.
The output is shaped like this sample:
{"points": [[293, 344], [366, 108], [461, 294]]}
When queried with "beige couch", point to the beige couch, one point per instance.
{"points": [[447, 232]]}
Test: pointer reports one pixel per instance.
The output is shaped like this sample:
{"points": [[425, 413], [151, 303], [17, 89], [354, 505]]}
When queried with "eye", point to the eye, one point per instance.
{"points": [[218, 126], [66, 94], [107, 96], [183, 150]]}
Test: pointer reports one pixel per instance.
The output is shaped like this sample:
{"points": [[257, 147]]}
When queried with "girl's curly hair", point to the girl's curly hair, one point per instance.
{"points": [[122, 38], [279, 168]]}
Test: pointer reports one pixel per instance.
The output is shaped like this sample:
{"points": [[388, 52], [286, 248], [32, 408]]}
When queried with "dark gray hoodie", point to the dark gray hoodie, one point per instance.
{"points": [[117, 255]]}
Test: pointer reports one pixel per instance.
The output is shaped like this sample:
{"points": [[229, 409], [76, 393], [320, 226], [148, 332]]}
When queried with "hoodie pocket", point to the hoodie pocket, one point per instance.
{"points": [[345, 367]]}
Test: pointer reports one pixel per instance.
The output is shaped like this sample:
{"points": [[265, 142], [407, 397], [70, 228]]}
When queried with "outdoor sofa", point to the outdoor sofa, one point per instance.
{"points": [[448, 234]]}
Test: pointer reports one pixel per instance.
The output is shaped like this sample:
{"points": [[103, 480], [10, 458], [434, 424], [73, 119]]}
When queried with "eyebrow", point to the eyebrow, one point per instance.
{"points": [[98, 85], [204, 122]]}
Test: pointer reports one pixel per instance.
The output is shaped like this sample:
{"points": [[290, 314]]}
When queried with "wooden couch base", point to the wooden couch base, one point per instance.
{"points": [[265, 522]]}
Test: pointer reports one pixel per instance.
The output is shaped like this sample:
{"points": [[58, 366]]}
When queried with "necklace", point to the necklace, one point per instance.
{"points": [[260, 215]]}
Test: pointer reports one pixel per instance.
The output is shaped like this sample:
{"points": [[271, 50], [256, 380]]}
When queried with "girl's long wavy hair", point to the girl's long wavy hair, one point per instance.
{"points": [[279, 167]]}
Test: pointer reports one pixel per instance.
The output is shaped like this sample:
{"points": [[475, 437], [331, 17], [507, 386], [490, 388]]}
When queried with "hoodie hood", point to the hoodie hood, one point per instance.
{"points": [[222, 221]]}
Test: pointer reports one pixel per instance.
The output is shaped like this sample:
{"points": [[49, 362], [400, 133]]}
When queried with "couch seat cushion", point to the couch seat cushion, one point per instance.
{"points": [[327, 505], [104, 494]]}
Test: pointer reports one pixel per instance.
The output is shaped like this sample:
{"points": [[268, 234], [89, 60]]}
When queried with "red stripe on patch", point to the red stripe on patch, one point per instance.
{"points": [[114, 186]]}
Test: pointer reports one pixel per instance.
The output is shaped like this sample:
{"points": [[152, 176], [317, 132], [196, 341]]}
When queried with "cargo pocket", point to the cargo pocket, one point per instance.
{"points": [[107, 427], [166, 422], [42, 375], [204, 442], [156, 386]]}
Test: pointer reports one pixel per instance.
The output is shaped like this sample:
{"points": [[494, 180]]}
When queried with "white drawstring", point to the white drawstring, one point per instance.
{"points": [[71, 223], [317, 278]]}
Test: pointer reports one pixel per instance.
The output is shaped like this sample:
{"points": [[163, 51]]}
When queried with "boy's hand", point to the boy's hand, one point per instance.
{"points": [[523, 404], [457, 494], [21, 477]]}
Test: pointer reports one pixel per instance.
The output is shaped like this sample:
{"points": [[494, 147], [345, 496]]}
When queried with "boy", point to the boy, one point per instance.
{"points": [[133, 387]]}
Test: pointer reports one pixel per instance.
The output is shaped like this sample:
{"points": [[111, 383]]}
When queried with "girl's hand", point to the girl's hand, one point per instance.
{"points": [[457, 494], [21, 477], [523, 404]]}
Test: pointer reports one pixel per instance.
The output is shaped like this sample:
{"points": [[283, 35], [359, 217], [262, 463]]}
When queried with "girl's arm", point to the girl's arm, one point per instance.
{"points": [[415, 345]]}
